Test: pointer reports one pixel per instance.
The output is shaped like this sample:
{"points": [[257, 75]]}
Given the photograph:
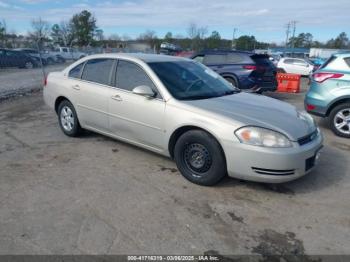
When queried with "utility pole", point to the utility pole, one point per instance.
{"points": [[293, 23], [287, 34], [233, 37]]}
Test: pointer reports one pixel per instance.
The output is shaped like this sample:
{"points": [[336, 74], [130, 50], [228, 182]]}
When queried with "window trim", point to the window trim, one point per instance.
{"points": [[113, 74], [114, 79]]}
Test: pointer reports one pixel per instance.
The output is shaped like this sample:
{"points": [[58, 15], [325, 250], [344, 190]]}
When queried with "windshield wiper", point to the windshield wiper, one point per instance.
{"points": [[198, 97]]}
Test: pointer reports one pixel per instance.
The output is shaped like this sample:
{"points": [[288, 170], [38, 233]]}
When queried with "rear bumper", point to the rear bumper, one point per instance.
{"points": [[271, 165], [316, 103]]}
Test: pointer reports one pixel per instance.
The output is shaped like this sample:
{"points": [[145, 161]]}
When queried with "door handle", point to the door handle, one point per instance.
{"points": [[76, 87], [117, 98]]}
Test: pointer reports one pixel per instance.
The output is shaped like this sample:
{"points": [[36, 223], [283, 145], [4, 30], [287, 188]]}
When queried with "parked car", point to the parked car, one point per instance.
{"points": [[67, 53], [12, 58], [244, 70], [329, 93], [179, 108], [46, 58], [298, 66]]}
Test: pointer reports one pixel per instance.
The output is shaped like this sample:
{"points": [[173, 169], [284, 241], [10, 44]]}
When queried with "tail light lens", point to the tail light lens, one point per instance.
{"points": [[321, 77], [250, 67]]}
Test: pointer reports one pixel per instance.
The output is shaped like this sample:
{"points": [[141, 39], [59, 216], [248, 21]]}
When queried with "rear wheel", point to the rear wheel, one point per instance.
{"points": [[28, 65], [232, 81], [339, 120], [199, 158], [68, 119]]}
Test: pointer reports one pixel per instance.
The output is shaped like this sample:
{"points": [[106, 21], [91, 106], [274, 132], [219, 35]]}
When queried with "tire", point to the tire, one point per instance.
{"points": [[340, 115], [68, 119], [28, 65], [232, 81], [50, 61], [199, 158]]}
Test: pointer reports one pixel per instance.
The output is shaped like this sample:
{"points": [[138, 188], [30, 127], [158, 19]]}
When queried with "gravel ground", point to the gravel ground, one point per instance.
{"points": [[95, 195]]}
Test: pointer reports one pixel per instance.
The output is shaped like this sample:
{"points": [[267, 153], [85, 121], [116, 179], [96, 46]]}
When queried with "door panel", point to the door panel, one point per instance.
{"points": [[91, 93], [137, 118], [133, 117], [92, 104]]}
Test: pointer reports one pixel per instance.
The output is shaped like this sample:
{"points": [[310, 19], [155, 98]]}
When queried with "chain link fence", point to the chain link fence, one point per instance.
{"points": [[23, 69]]}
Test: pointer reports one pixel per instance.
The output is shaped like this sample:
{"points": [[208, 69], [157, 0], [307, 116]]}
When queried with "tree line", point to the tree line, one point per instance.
{"points": [[82, 31]]}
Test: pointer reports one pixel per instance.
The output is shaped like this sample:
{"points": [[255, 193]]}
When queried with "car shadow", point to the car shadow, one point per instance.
{"points": [[331, 169]]}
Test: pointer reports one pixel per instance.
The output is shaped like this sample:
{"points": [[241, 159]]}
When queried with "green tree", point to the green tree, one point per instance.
{"points": [[214, 40], [341, 41], [246, 42], [302, 40], [56, 35], [2, 32], [168, 37], [83, 28]]}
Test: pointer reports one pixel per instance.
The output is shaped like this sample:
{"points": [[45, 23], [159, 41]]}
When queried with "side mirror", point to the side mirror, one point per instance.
{"points": [[144, 91]]}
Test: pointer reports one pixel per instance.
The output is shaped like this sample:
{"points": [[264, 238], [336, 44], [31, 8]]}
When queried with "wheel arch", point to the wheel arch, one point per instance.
{"points": [[183, 129], [336, 103], [58, 101]]}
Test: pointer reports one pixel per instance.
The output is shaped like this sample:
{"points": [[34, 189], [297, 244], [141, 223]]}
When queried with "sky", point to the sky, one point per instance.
{"points": [[265, 20]]}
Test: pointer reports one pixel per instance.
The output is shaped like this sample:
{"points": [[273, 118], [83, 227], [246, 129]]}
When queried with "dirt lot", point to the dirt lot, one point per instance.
{"points": [[95, 195]]}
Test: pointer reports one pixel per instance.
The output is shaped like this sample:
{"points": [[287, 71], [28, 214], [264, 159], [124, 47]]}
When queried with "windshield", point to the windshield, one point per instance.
{"points": [[189, 80]]}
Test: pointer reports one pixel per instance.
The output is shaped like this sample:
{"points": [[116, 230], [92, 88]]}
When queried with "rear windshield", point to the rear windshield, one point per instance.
{"points": [[330, 60], [347, 61]]}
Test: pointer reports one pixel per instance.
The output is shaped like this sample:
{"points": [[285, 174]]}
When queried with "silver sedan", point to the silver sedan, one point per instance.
{"points": [[182, 109]]}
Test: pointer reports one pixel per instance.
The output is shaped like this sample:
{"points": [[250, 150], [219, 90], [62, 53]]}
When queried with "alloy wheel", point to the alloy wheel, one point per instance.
{"points": [[342, 121], [67, 118]]}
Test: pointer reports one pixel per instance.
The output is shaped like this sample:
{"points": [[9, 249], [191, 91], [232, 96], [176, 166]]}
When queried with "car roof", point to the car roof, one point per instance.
{"points": [[342, 55], [224, 51], [147, 58]]}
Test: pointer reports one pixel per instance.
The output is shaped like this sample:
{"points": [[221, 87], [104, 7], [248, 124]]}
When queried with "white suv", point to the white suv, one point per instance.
{"points": [[295, 66]]}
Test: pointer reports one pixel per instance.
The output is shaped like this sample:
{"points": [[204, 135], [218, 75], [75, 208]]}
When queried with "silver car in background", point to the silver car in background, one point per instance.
{"points": [[179, 108]]}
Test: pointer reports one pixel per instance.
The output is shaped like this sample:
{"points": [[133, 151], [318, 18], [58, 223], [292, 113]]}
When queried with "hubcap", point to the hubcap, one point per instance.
{"points": [[67, 118], [197, 158], [342, 121]]}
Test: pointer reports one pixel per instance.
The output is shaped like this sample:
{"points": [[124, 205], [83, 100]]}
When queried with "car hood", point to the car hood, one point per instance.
{"points": [[257, 110]]}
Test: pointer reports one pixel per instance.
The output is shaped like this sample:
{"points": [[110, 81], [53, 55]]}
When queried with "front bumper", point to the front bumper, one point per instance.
{"points": [[271, 165]]}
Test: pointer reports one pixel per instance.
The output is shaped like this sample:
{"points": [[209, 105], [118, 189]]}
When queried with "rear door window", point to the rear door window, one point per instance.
{"points": [[214, 59], [98, 71], [234, 58], [76, 71], [347, 61]]}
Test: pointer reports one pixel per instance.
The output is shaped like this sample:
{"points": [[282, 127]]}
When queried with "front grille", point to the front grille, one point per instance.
{"points": [[307, 139], [273, 172]]}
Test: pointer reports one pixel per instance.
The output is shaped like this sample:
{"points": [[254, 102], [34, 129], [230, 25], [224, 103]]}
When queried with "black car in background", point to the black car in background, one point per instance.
{"points": [[244, 70], [12, 58]]}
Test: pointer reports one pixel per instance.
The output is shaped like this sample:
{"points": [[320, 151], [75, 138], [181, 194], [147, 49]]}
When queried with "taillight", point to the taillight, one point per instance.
{"points": [[310, 107], [320, 77], [250, 67]]}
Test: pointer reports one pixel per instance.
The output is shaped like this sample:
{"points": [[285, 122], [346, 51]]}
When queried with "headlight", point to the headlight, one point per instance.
{"points": [[258, 136]]}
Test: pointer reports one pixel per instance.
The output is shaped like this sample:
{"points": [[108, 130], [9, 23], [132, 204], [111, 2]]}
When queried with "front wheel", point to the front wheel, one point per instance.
{"points": [[68, 120], [199, 158], [339, 120]]}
